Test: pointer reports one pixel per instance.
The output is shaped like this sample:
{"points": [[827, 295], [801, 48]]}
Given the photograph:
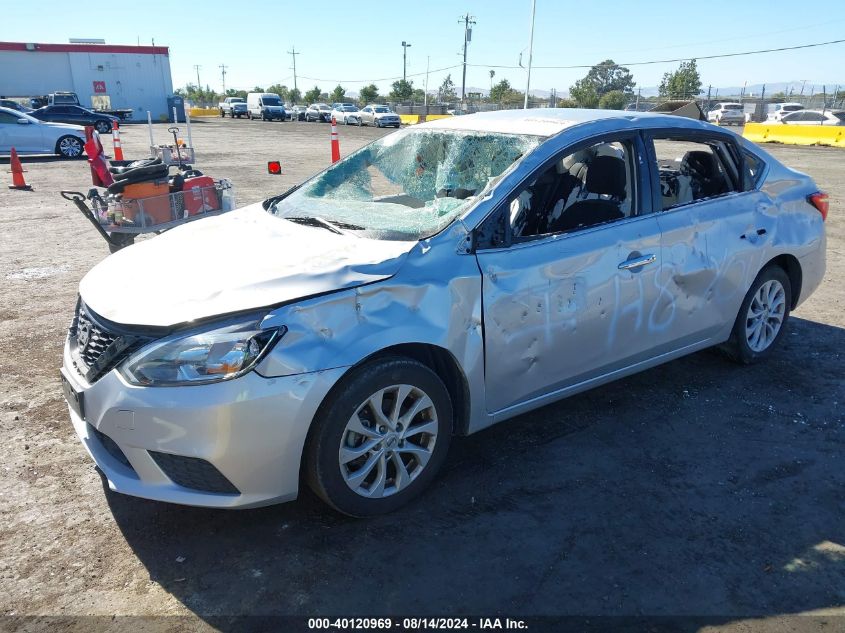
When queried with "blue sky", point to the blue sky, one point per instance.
{"points": [[355, 40]]}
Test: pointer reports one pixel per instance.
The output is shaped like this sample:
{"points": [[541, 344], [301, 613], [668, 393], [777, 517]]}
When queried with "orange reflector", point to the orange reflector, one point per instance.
{"points": [[274, 167]]}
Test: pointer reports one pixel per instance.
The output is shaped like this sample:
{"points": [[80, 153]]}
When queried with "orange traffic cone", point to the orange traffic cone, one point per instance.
{"points": [[18, 181], [115, 135], [335, 142]]}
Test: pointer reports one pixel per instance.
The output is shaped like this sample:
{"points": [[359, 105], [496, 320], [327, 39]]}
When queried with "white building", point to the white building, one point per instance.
{"points": [[103, 75]]}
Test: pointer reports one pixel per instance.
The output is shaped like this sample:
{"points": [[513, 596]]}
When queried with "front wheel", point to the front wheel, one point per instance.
{"points": [[103, 127], [379, 438], [762, 317]]}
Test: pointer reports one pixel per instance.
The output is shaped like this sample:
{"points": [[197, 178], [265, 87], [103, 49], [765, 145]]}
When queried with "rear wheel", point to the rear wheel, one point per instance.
{"points": [[222, 114], [69, 147], [379, 438], [103, 127], [762, 317]]}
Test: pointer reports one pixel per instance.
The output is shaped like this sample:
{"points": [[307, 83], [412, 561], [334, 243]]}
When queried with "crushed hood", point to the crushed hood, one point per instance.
{"points": [[236, 261]]}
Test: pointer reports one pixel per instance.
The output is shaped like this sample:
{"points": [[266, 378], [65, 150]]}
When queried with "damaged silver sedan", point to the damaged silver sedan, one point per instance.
{"points": [[444, 278]]}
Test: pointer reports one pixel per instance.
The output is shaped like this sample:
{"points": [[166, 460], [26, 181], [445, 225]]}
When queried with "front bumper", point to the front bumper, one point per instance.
{"points": [[250, 431]]}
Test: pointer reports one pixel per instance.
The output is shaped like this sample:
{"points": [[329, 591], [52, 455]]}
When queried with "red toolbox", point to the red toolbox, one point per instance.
{"points": [[200, 195]]}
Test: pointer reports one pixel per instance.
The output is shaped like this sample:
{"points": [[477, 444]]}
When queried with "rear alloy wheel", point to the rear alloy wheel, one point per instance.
{"points": [[380, 438], [69, 147], [103, 127], [762, 316]]}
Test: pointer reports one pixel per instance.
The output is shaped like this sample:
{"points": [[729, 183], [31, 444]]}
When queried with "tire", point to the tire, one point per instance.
{"points": [[380, 486], [222, 114], [69, 147], [103, 127], [249, 115], [768, 304], [376, 123]]}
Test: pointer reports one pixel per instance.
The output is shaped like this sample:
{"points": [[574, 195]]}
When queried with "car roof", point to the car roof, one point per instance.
{"points": [[550, 121]]}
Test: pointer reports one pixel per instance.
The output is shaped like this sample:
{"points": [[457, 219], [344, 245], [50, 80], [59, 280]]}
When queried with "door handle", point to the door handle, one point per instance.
{"points": [[639, 262], [758, 232]]}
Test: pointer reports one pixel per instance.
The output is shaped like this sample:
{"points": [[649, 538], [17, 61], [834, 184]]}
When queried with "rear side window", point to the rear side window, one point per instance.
{"points": [[693, 170], [755, 167]]}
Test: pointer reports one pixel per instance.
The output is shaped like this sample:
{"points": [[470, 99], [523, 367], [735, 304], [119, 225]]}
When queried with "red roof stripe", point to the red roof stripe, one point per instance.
{"points": [[86, 48]]}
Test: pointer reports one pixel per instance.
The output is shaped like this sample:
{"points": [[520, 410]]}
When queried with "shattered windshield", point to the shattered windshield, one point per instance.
{"points": [[408, 185]]}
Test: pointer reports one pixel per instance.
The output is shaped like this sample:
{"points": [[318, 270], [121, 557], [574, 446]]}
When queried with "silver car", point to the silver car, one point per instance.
{"points": [[379, 116], [442, 279]]}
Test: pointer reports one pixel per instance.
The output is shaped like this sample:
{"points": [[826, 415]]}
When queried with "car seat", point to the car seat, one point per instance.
{"points": [[605, 177], [702, 168]]}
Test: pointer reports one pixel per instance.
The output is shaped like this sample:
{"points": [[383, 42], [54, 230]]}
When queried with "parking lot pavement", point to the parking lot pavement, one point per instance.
{"points": [[698, 487]]}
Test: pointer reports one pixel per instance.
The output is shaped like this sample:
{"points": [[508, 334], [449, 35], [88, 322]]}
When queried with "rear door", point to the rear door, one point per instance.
{"points": [[714, 225], [563, 306]]}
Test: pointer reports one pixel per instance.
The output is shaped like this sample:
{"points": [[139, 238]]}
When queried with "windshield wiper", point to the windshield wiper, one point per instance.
{"points": [[334, 227]]}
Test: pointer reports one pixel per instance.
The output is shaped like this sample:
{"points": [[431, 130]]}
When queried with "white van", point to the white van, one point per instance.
{"points": [[265, 105]]}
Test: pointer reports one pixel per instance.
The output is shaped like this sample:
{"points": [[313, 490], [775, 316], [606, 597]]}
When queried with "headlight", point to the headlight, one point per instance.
{"points": [[201, 357]]}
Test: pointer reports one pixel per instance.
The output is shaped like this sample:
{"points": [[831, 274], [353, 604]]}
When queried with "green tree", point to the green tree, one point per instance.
{"points": [[446, 92], [338, 94], [313, 95], [613, 100], [231, 92], [403, 90], [584, 93], [604, 77], [567, 103], [500, 90], [684, 83], [280, 90], [418, 96], [257, 89], [294, 95], [368, 94]]}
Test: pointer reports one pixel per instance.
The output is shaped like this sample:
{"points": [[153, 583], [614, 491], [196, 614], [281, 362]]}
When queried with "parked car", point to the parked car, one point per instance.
{"points": [[318, 112], [76, 115], [727, 114], [14, 105], [233, 106], [297, 113], [774, 111], [29, 135], [814, 117], [442, 279], [266, 106], [345, 113], [380, 116]]}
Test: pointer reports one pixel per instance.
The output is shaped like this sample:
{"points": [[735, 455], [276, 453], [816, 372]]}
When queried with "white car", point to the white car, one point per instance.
{"points": [[814, 117], [346, 113], [380, 116], [776, 111], [727, 114], [28, 135]]}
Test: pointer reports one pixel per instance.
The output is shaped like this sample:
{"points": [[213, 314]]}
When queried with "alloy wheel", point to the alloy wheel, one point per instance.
{"points": [[765, 315], [70, 147], [388, 441]]}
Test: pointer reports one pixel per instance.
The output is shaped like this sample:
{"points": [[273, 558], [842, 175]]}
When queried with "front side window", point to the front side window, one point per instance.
{"points": [[591, 186], [6, 117], [408, 185], [691, 170]]}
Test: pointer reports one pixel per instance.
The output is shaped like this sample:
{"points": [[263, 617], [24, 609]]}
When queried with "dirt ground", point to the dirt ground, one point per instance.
{"points": [[697, 488]]}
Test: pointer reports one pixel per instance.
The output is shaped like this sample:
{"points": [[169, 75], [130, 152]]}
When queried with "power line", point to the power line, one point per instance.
{"points": [[677, 59], [372, 81]]}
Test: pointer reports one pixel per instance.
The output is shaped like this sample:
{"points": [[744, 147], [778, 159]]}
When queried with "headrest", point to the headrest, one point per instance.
{"points": [[606, 176]]}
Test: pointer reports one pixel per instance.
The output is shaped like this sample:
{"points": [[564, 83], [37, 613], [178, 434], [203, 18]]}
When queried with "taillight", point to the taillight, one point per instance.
{"points": [[821, 202]]}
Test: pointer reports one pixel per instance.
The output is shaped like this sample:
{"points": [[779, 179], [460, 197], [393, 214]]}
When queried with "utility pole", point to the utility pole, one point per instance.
{"points": [[637, 104], [492, 74], [803, 81], [468, 20], [199, 85], [405, 47], [292, 52], [530, 53], [223, 68]]}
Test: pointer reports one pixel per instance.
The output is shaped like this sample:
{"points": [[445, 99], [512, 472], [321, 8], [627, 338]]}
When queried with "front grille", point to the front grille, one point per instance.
{"points": [[111, 447], [97, 346], [194, 473]]}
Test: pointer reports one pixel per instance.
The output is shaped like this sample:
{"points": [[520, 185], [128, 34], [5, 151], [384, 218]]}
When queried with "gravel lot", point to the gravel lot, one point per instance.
{"points": [[699, 487]]}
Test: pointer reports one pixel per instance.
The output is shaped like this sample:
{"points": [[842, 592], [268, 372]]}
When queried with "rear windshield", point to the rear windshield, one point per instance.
{"points": [[732, 106]]}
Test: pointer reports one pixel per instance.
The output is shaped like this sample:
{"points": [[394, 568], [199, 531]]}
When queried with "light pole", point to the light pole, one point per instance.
{"points": [[405, 47], [199, 85], [530, 53]]}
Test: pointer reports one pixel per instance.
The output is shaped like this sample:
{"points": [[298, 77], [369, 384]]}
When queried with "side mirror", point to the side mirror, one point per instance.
{"points": [[23, 122]]}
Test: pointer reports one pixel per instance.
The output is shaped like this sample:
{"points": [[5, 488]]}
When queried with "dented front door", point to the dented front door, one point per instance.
{"points": [[566, 308]]}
